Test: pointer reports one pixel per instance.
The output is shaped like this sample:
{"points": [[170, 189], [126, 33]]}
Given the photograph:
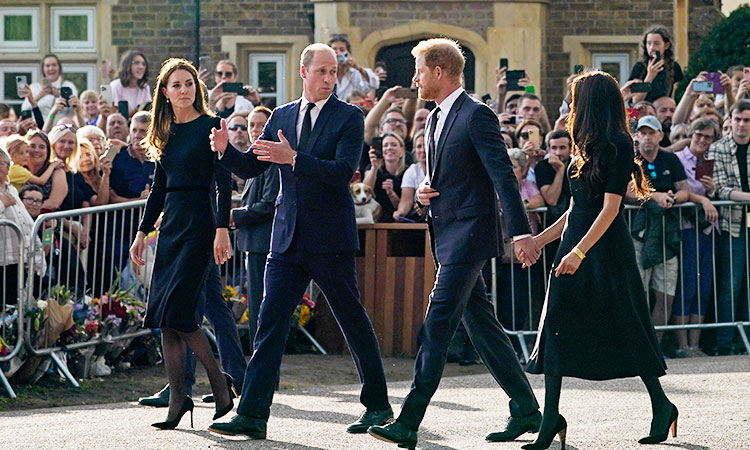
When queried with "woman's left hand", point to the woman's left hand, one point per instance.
{"points": [[222, 250], [569, 265]]}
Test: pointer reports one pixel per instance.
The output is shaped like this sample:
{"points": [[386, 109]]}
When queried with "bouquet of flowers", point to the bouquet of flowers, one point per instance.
{"points": [[304, 311]]}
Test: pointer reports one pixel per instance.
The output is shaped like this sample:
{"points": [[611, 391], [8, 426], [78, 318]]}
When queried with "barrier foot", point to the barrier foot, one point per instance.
{"points": [[64, 369], [524, 348], [6, 385], [312, 340], [743, 335]]}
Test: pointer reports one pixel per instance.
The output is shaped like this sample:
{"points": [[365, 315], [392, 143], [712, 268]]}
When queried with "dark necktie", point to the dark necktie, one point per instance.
{"points": [[304, 136], [433, 144]]}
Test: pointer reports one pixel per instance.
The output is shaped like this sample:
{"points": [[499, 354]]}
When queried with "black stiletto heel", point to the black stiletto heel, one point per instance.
{"points": [[187, 405], [656, 438], [543, 442], [221, 412]]}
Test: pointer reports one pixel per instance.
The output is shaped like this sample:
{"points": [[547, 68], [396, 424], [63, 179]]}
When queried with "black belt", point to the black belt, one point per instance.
{"points": [[188, 188]]}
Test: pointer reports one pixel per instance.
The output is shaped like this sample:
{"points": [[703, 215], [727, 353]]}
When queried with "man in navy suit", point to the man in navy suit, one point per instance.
{"points": [[316, 142], [467, 164]]}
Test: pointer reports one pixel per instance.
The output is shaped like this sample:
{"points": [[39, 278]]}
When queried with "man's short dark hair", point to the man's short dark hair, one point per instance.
{"points": [[733, 69], [530, 97], [30, 187], [340, 37], [558, 134], [740, 106], [512, 97]]}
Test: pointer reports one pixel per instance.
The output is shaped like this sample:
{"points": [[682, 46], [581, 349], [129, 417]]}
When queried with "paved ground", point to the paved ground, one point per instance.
{"points": [[713, 395]]}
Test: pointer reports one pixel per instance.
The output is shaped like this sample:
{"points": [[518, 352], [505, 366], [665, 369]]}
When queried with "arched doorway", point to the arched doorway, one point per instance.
{"points": [[400, 64]]}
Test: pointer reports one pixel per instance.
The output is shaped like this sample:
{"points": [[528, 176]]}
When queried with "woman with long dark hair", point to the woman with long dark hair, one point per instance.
{"points": [[657, 65], [131, 83], [595, 323], [185, 171]]}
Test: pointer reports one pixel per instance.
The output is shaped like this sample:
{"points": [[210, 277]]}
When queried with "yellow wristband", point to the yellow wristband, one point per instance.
{"points": [[578, 253]]}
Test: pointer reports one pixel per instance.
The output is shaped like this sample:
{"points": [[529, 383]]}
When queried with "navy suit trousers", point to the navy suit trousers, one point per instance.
{"points": [[286, 278]]}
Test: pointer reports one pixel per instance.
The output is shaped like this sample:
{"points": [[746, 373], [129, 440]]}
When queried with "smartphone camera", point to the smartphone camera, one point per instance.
{"points": [[343, 57], [377, 146]]}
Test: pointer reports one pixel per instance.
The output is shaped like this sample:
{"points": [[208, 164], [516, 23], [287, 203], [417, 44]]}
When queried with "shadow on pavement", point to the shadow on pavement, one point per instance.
{"points": [[242, 443]]}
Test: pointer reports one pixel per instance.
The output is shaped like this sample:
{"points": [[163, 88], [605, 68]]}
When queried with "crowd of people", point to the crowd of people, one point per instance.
{"points": [[69, 151]]}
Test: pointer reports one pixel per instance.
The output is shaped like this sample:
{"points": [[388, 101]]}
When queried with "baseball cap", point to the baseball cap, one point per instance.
{"points": [[649, 121]]}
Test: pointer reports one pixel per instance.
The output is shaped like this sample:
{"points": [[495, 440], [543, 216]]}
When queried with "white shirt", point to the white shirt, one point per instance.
{"points": [[46, 103], [354, 81], [313, 114]]}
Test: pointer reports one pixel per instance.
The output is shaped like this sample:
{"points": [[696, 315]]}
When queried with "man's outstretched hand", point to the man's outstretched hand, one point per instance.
{"points": [[219, 138]]}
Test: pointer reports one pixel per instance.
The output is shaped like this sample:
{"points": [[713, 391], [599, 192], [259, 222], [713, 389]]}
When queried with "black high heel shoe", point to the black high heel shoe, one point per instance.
{"points": [[543, 442], [187, 405], [656, 438], [221, 412]]}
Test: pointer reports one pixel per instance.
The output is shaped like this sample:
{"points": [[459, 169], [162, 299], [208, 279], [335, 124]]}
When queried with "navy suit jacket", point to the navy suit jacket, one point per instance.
{"points": [[255, 217], [314, 201], [471, 165]]}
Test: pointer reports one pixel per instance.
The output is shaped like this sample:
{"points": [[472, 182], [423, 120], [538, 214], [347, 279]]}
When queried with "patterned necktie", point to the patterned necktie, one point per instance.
{"points": [[432, 145]]}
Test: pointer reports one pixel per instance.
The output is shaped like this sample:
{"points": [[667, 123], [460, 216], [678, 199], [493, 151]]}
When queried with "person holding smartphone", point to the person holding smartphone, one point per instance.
{"points": [[529, 137], [47, 91], [226, 102], [387, 167], [694, 292], [657, 65], [350, 75], [131, 83]]}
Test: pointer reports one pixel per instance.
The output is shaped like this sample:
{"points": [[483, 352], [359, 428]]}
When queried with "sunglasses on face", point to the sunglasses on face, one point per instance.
{"points": [[224, 74], [65, 126], [237, 127], [652, 168]]}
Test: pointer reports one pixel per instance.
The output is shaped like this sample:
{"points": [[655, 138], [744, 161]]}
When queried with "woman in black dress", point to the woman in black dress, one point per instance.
{"points": [[596, 323], [189, 233]]}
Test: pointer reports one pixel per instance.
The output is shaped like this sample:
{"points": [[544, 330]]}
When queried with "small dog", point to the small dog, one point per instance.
{"points": [[366, 209]]}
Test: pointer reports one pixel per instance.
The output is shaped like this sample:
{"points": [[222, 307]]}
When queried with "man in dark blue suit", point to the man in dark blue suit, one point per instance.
{"points": [[467, 164], [316, 142]]}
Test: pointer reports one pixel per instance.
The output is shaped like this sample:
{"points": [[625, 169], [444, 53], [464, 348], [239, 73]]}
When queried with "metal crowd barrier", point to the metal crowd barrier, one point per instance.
{"points": [[520, 318], [6, 319]]}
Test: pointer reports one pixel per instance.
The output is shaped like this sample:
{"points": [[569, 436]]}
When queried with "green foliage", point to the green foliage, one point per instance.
{"points": [[727, 44]]}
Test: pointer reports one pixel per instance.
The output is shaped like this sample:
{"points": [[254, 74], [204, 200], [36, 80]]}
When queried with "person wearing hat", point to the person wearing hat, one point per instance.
{"points": [[656, 227]]}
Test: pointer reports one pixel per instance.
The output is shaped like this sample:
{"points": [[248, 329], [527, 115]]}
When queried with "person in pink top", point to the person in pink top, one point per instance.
{"points": [[131, 84]]}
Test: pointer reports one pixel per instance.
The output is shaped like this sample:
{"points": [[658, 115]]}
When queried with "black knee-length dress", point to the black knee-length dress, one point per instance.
{"points": [[596, 323], [182, 188]]}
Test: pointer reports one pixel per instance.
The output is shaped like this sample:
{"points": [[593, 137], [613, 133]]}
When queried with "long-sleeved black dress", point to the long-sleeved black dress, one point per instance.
{"points": [[182, 189], [596, 323]]}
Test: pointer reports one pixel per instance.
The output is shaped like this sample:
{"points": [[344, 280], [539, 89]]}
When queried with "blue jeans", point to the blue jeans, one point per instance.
{"points": [[697, 274], [731, 275], [220, 317]]}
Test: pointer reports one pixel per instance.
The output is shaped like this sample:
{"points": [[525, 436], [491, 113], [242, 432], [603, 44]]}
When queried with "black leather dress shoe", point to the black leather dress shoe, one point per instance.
{"points": [[517, 426], [239, 425], [158, 400], [370, 418], [396, 433]]}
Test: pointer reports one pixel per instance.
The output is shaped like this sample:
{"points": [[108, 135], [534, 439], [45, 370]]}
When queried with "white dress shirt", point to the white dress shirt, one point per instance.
{"points": [[313, 114]]}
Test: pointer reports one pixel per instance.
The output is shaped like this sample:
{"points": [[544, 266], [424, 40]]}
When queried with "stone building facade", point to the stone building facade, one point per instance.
{"points": [[265, 37]]}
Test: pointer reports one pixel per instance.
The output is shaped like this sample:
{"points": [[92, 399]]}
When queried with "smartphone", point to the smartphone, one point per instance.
{"points": [[535, 138], [633, 113], [703, 86], [204, 62], [406, 219], [529, 89], [406, 93], [106, 91], [486, 98], [746, 72], [503, 63], [640, 87], [109, 154], [511, 121], [123, 109], [342, 58], [513, 76], [66, 92], [25, 114], [377, 145], [715, 77], [578, 69], [657, 55], [20, 85], [705, 169], [235, 87]]}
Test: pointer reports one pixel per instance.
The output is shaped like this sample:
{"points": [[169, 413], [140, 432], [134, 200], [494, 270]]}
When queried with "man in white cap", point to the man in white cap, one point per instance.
{"points": [[656, 228]]}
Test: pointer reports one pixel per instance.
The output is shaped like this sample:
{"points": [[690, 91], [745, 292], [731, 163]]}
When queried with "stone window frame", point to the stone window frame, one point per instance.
{"points": [[7, 68], [58, 46], [25, 46], [581, 48]]}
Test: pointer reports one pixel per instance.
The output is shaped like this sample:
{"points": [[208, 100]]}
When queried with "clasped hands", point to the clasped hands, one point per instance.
{"points": [[527, 250], [276, 152]]}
